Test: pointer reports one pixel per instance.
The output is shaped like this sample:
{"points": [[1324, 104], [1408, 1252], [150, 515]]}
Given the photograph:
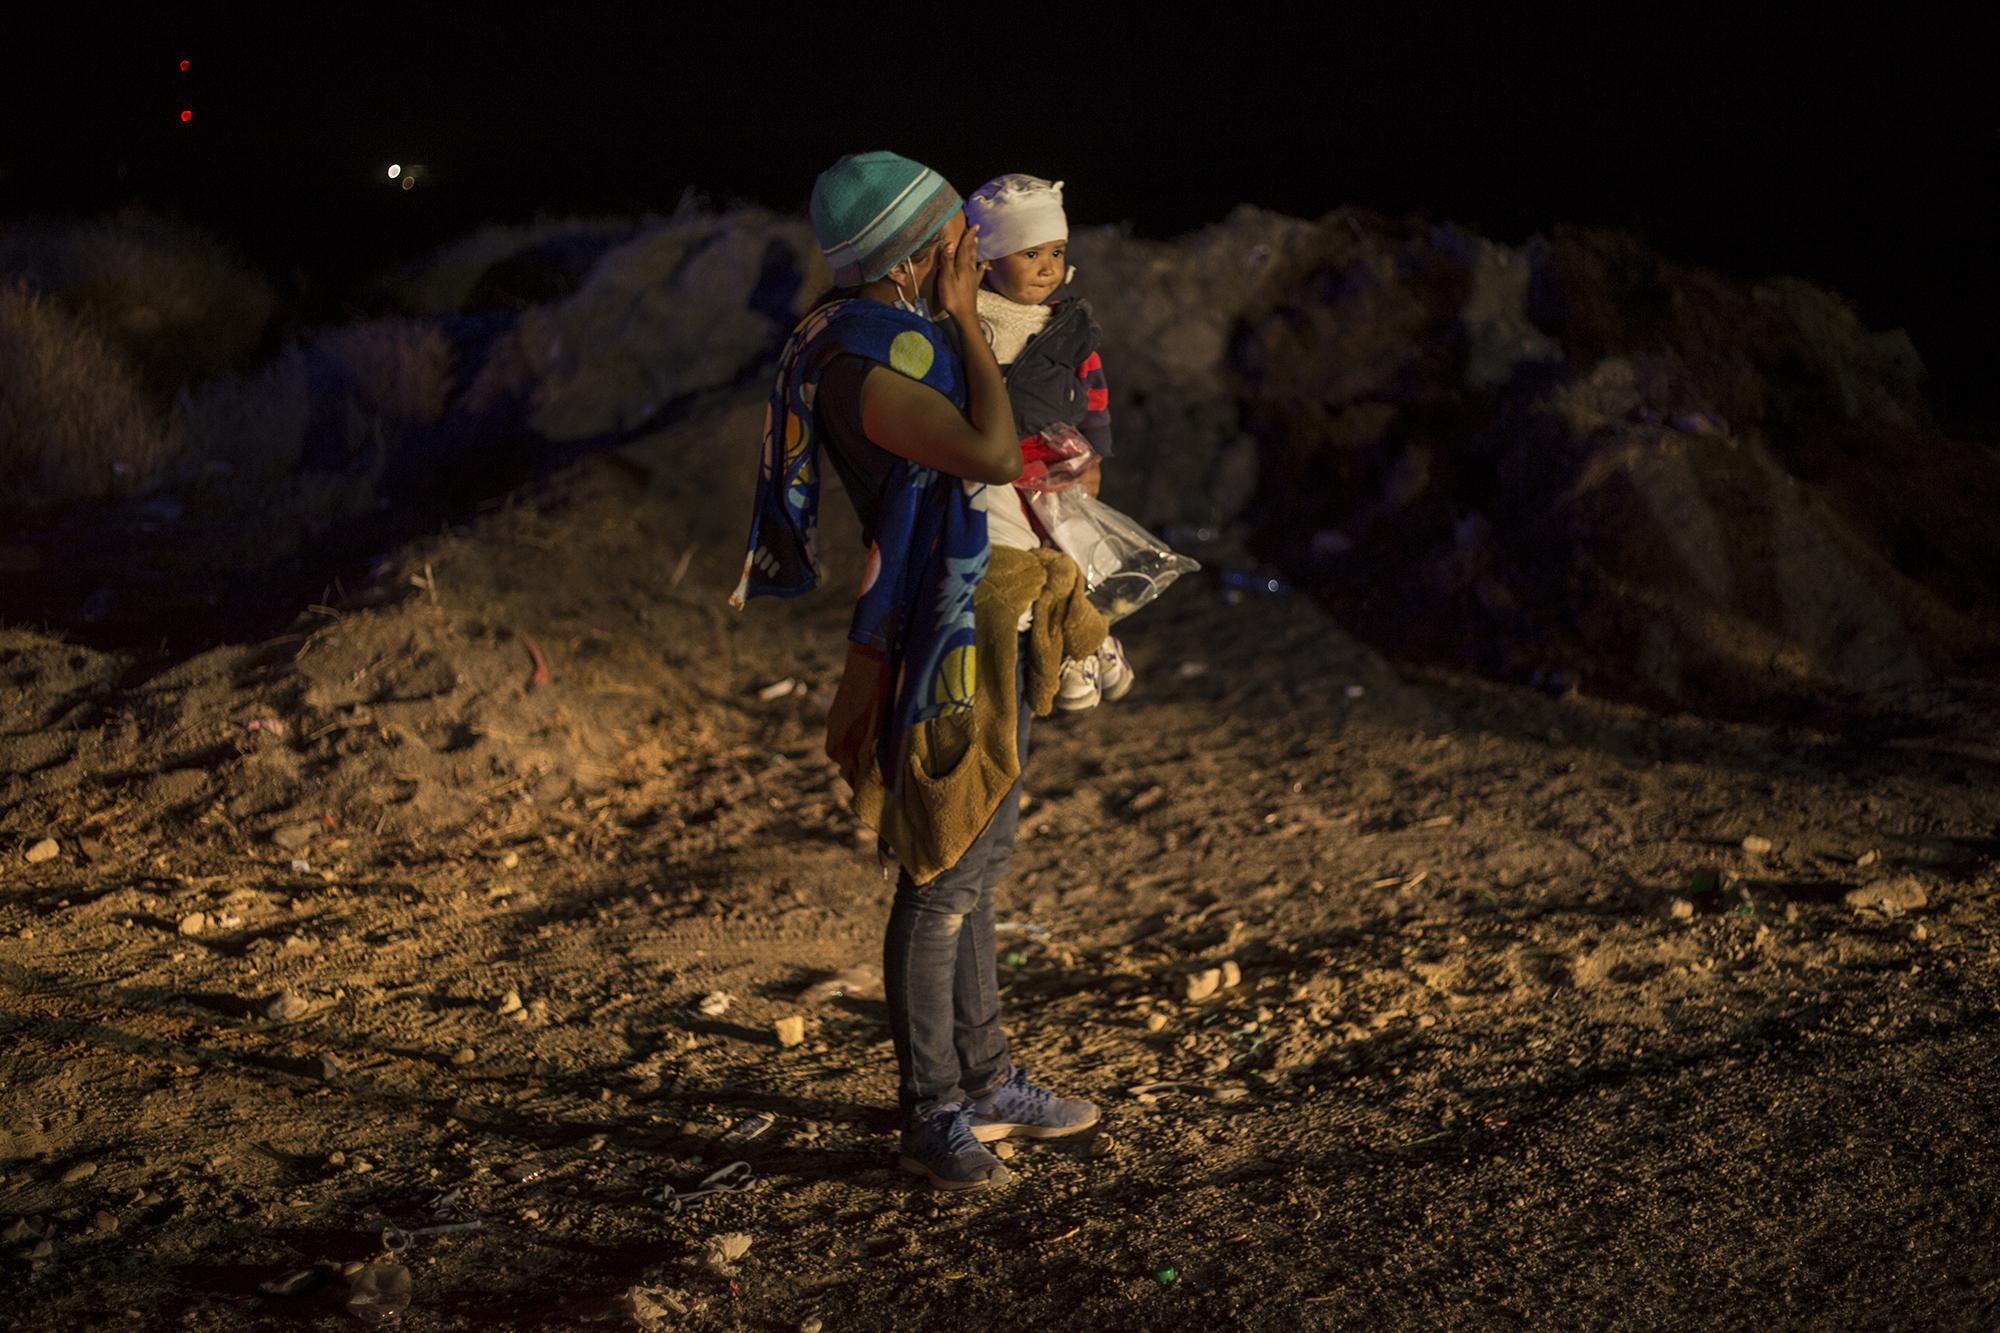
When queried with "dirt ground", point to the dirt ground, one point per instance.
{"points": [[1526, 1034]]}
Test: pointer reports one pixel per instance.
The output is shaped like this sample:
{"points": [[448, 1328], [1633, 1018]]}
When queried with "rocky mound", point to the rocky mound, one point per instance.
{"points": [[1574, 462]]}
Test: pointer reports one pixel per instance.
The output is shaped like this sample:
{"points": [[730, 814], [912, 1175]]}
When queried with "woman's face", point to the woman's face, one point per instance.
{"points": [[927, 267]]}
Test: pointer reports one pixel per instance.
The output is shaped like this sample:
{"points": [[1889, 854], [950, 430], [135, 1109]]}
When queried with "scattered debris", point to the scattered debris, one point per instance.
{"points": [[731, 1179], [651, 1307], [744, 1130], [1890, 897], [1166, 1275], [781, 689], [22, 1229], [298, 1282], [397, 1240], [725, 1250], [1222, 1092], [378, 1293], [542, 675], [716, 1003]]}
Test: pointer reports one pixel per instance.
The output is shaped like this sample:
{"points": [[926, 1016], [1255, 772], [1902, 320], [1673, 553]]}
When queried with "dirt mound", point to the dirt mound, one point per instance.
{"points": [[477, 676], [288, 481], [1168, 310], [1579, 463]]}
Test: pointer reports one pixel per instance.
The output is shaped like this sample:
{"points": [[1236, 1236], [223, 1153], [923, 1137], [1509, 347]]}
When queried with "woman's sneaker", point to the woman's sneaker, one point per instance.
{"points": [[1020, 1109], [1076, 687], [942, 1146], [1114, 673]]}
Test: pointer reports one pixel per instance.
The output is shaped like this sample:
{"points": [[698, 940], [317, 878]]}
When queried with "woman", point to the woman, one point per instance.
{"points": [[952, 645]]}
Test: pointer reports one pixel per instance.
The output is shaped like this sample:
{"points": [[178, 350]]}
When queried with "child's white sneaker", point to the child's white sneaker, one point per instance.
{"points": [[1077, 687], [1114, 673]]}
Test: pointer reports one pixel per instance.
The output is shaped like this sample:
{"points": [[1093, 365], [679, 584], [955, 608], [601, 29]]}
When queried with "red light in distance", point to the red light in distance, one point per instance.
{"points": [[184, 65], [186, 116]]}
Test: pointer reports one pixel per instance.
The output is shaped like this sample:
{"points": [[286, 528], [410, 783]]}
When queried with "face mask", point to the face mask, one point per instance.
{"points": [[916, 304]]}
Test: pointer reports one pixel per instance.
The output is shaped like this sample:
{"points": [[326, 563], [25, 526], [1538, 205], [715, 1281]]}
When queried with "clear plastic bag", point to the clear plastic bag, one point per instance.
{"points": [[1124, 566], [1058, 461]]}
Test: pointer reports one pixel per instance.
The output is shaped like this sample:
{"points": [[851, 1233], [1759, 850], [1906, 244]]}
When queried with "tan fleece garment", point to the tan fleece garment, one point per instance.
{"points": [[960, 766]]}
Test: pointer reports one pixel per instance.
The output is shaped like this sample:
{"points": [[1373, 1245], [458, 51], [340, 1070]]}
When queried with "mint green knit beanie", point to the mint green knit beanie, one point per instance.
{"points": [[870, 211]]}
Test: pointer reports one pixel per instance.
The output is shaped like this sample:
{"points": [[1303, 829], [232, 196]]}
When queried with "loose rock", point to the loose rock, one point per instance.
{"points": [[1232, 975], [291, 837], [45, 850], [465, 1055], [105, 1221], [1890, 897], [716, 1003], [1682, 909], [286, 1007], [1757, 845], [1200, 985], [81, 1171], [194, 923], [510, 1002], [790, 1031], [1155, 1022], [1003, 1150]]}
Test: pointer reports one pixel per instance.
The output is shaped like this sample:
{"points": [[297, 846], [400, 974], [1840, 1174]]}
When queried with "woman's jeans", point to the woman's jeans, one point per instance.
{"points": [[939, 966]]}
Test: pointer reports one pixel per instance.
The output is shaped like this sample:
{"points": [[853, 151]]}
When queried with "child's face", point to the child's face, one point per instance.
{"points": [[1030, 276]]}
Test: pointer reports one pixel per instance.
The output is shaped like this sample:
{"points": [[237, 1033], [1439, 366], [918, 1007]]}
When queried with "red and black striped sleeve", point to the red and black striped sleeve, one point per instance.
{"points": [[1096, 426]]}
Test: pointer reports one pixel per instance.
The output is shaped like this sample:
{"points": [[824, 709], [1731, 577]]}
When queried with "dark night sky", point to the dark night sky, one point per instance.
{"points": [[1864, 157]]}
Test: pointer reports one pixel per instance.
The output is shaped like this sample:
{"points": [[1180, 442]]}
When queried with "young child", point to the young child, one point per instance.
{"points": [[1046, 345]]}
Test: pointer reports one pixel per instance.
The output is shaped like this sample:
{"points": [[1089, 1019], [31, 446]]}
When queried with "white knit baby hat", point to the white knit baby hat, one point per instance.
{"points": [[1014, 212]]}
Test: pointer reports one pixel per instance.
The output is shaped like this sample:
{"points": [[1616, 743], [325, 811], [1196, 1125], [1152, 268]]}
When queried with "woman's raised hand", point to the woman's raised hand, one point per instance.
{"points": [[959, 273]]}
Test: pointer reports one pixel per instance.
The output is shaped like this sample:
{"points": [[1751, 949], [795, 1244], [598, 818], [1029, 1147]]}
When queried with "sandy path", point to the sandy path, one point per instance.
{"points": [[1496, 1058]]}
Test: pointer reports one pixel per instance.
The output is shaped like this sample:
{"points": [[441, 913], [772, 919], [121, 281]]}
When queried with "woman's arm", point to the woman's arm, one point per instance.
{"points": [[915, 421]]}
